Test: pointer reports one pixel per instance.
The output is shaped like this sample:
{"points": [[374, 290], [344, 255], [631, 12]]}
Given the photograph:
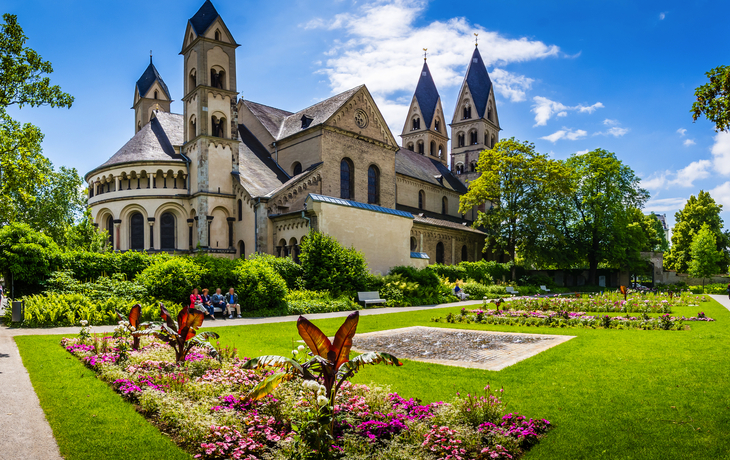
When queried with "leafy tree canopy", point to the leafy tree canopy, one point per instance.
{"points": [[662, 244], [713, 99], [705, 256], [83, 236]]}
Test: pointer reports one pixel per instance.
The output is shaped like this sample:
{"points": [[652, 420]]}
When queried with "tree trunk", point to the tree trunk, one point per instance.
{"points": [[592, 270]]}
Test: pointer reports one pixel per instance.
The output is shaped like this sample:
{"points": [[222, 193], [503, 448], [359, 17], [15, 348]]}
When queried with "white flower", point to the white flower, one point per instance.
{"points": [[121, 323], [310, 385], [322, 401], [300, 348], [294, 352], [84, 322], [132, 328]]}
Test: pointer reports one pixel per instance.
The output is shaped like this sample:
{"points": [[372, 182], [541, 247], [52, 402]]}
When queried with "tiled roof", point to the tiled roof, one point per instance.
{"points": [[154, 142], [422, 167], [282, 124], [477, 78], [419, 255], [357, 204], [427, 95], [446, 224], [204, 18], [148, 78], [294, 179], [258, 172]]}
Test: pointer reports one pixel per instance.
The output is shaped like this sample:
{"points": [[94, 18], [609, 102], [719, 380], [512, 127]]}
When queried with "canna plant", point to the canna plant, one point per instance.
{"points": [[182, 335], [135, 313], [330, 362]]}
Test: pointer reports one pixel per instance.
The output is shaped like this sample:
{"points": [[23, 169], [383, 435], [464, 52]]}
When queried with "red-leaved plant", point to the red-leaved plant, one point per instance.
{"points": [[182, 335], [135, 313]]}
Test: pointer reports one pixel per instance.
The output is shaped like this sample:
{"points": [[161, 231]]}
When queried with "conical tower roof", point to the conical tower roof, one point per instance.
{"points": [[203, 19], [427, 95], [148, 78], [477, 78]]}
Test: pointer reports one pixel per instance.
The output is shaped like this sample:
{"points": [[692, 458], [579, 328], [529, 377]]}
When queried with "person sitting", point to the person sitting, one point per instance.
{"points": [[458, 292], [195, 299], [218, 301], [232, 303], [207, 305]]}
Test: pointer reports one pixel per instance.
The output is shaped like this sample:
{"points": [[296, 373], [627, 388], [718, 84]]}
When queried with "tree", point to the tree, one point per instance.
{"points": [[662, 243], [605, 197], [23, 82], [705, 256], [713, 99], [27, 257], [698, 211], [516, 183], [83, 236], [329, 266], [639, 236]]}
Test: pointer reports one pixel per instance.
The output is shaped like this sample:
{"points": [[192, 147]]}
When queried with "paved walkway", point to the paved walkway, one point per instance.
{"points": [[722, 299]]}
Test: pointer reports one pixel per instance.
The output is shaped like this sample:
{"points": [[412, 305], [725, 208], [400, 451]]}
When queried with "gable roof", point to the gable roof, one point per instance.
{"points": [[445, 223], [282, 124], [156, 141], [427, 95], [421, 167], [477, 78], [203, 19], [148, 78], [258, 172]]}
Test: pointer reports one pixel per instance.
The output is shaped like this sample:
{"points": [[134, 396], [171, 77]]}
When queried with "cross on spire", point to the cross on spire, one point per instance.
{"points": [[476, 39], [424, 53]]}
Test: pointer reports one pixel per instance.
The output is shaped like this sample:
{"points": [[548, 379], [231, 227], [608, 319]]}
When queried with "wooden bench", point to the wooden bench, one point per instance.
{"points": [[371, 297], [511, 290]]}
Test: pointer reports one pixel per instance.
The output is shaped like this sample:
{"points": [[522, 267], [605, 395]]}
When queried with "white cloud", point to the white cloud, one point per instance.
{"points": [[665, 204], [566, 133], [656, 181], [582, 152], [382, 48], [721, 153], [662, 16], [688, 142], [685, 177], [615, 131], [681, 132], [721, 194], [609, 122], [544, 109]]}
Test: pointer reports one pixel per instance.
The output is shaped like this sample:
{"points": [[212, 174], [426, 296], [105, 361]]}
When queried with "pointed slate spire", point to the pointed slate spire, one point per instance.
{"points": [[203, 19], [427, 95], [148, 78], [477, 78]]}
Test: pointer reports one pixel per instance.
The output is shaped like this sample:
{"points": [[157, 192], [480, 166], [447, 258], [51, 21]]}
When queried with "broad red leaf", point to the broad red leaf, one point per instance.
{"points": [[343, 339], [313, 337], [167, 317], [134, 314], [193, 320]]}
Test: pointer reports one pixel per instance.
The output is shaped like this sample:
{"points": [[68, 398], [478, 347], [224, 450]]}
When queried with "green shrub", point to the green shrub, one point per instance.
{"points": [[218, 272], [62, 282], [405, 286], [715, 288], [302, 302], [284, 266], [425, 277], [53, 310], [172, 278], [487, 271], [329, 266], [259, 286], [477, 290], [538, 280], [27, 258], [91, 265], [450, 272]]}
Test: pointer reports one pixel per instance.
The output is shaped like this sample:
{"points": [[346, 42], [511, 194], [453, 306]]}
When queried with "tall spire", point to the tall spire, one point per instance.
{"points": [[477, 78], [148, 78], [427, 95]]}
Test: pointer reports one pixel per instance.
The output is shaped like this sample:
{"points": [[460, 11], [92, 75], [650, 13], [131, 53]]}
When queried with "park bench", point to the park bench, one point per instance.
{"points": [[371, 297], [544, 288], [511, 290]]}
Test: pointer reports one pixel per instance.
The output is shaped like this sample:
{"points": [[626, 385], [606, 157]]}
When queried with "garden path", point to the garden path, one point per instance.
{"points": [[722, 300], [24, 430]]}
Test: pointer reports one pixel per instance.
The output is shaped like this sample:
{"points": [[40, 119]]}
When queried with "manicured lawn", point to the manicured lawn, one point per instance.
{"points": [[619, 394]]}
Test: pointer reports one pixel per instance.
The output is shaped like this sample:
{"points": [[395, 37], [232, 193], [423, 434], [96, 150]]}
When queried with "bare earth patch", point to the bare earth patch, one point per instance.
{"points": [[458, 347]]}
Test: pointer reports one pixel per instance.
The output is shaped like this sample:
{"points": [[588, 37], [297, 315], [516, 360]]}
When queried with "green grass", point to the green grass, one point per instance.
{"points": [[614, 394], [89, 420]]}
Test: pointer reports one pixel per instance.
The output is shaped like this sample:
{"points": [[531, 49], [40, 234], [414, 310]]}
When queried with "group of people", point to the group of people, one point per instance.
{"points": [[227, 303]]}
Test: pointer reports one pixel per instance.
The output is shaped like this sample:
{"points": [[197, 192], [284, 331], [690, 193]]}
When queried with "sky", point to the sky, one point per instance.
{"points": [[570, 76]]}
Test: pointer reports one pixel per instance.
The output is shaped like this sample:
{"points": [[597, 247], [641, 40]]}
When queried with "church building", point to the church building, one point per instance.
{"points": [[232, 177]]}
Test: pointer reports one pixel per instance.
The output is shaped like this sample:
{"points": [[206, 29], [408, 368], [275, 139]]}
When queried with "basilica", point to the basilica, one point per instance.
{"points": [[232, 177]]}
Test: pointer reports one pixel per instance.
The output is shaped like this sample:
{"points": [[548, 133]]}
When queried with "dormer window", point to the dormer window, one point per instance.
{"points": [[416, 124], [217, 35], [467, 112], [437, 126], [306, 121]]}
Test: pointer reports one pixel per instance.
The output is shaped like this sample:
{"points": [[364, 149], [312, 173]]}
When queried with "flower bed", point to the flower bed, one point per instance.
{"points": [[569, 319], [607, 302], [202, 403]]}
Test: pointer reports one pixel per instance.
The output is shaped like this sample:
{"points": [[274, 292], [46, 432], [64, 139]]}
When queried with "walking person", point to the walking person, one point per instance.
{"points": [[232, 303]]}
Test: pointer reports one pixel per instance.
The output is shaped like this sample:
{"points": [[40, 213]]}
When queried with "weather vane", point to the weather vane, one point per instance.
{"points": [[150, 56], [476, 39], [424, 53]]}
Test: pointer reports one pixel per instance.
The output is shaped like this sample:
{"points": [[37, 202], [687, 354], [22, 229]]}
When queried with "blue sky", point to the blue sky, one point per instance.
{"points": [[571, 76]]}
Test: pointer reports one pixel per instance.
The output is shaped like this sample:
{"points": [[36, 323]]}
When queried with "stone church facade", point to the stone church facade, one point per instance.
{"points": [[231, 176]]}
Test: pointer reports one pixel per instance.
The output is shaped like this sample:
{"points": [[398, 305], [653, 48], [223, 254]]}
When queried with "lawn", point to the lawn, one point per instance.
{"points": [[619, 394]]}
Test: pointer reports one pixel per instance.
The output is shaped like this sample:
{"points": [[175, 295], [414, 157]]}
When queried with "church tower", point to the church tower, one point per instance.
{"points": [[150, 94], [424, 131], [210, 119], [475, 126]]}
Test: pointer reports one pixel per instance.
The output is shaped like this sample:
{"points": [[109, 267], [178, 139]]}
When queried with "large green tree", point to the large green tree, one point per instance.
{"points": [[713, 98], [698, 211], [24, 171], [517, 184], [662, 244], [599, 221], [705, 256]]}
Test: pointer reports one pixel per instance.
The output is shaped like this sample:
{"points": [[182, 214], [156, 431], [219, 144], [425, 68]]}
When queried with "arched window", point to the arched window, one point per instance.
{"points": [[110, 229], [139, 125], [493, 142], [467, 112], [136, 231], [460, 168], [473, 166], [294, 250], [444, 205], [347, 189], [432, 148], [167, 231], [217, 79], [441, 152], [414, 244], [416, 124], [193, 129], [218, 126], [241, 249], [155, 94], [460, 140], [240, 210], [437, 125], [218, 35], [373, 185], [421, 199], [486, 139], [281, 249], [473, 138], [489, 113], [440, 253], [420, 147], [464, 254], [296, 168], [410, 146], [193, 80]]}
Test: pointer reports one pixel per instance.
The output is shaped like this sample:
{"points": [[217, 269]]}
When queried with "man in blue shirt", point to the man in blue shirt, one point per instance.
{"points": [[232, 303], [218, 301]]}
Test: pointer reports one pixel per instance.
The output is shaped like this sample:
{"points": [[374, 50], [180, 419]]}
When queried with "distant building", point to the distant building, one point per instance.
{"points": [[231, 176]]}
